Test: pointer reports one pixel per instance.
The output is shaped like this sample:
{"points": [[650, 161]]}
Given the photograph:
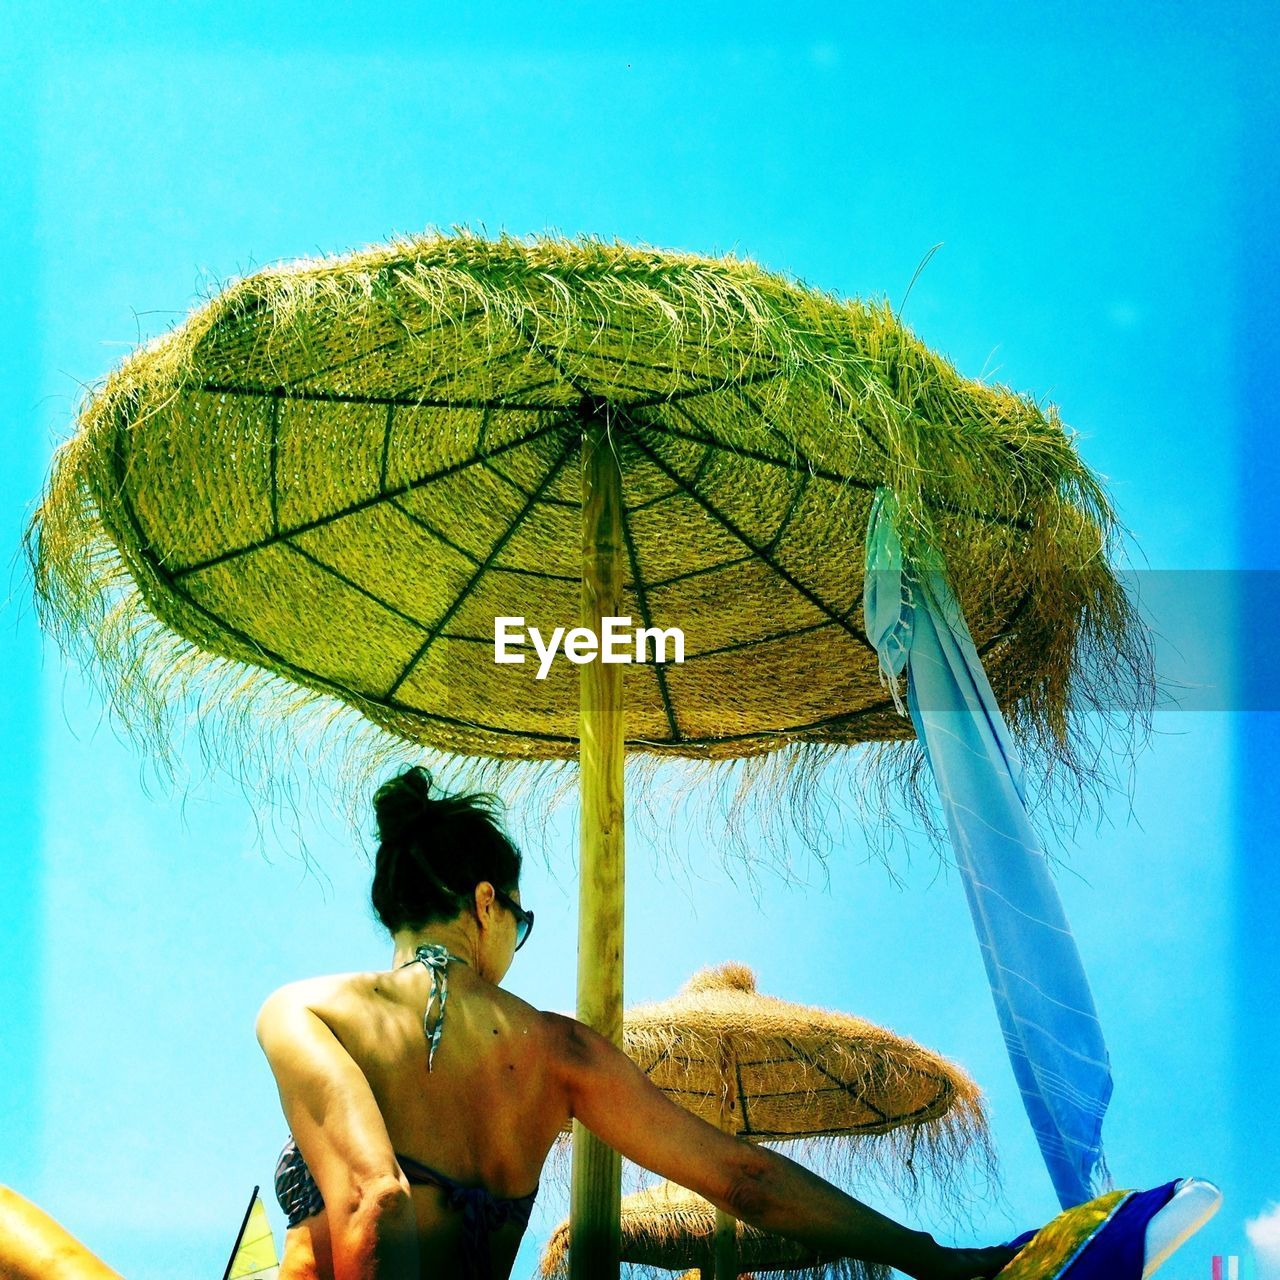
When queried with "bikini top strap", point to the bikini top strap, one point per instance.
{"points": [[435, 957], [417, 1172], [482, 1212]]}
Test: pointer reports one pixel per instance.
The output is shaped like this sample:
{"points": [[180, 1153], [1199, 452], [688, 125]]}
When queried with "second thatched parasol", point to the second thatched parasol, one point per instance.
{"points": [[772, 1070], [850, 1093]]}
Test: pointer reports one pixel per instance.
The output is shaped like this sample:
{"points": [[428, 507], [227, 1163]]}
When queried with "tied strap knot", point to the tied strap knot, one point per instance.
{"points": [[482, 1214], [480, 1211], [434, 957]]}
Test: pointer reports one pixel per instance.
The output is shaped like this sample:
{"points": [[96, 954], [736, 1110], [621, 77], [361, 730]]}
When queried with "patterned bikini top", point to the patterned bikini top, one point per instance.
{"points": [[434, 957], [482, 1212]]}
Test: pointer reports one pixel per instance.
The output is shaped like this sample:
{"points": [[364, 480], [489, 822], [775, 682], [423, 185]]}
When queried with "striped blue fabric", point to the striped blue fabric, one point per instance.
{"points": [[1042, 996]]}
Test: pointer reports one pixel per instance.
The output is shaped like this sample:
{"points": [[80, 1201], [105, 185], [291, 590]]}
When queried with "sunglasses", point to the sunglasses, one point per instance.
{"points": [[524, 919]]}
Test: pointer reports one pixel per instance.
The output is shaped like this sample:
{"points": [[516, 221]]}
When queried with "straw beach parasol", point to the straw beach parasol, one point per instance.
{"points": [[851, 1093], [771, 1070], [667, 1228], [340, 471], [315, 497]]}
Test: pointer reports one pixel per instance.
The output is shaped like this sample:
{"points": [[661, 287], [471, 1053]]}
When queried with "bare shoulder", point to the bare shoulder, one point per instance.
{"points": [[540, 1029], [326, 993], [571, 1044], [613, 1097]]}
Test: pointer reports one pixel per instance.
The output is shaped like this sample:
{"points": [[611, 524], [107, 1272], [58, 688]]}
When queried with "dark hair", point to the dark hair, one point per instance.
{"points": [[433, 850]]}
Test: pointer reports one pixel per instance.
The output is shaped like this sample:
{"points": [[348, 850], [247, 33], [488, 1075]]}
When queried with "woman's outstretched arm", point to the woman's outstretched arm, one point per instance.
{"points": [[342, 1136], [615, 1100]]}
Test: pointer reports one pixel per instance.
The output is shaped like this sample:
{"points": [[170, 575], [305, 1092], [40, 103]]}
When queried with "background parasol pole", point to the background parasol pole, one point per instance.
{"points": [[595, 1240], [725, 1240]]}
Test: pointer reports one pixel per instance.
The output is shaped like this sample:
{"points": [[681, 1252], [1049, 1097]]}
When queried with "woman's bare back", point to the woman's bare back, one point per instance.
{"points": [[485, 1115], [505, 1079]]}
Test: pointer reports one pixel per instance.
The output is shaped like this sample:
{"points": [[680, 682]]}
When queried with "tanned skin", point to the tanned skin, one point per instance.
{"points": [[350, 1063], [351, 1066]]}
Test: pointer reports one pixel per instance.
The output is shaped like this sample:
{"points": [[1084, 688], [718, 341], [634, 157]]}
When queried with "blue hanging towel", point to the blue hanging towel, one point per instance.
{"points": [[1041, 994]]}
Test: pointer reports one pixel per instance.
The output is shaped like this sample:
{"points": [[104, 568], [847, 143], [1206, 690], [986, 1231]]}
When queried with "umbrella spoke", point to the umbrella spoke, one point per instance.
{"points": [[651, 502], [690, 393], [539, 350], [632, 362], [273, 466], [841, 720], [706, 568], [255, 644], [658, 1061], [404, 401], [363, 504], [756, 411], [617, 384], [427, 527], [862, 424], [487, 464], [743, 1099], [432, 390], [355, 586], [544, 574], [738, 645], [391, 344], [702, 435], [759, 551], [472, 582], [823, 473], [736, 353], [852, 1088], [800, 490]]}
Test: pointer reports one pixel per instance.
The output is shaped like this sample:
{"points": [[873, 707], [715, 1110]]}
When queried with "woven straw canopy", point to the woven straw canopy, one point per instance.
{"points": [[859, 1099], [794, 1071], [341, 471], [668, 1228]]}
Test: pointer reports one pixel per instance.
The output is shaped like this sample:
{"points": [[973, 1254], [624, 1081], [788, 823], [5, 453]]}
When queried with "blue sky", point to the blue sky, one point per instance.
{"points": [[1102, 183]]}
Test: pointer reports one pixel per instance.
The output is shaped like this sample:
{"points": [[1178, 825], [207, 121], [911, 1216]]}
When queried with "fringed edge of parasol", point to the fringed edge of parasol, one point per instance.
{"points": [[681, 1219], [291, 749]]}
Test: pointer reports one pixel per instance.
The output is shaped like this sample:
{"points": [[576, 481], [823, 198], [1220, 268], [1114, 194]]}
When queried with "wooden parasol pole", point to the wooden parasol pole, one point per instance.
{"points": [[595, 1240], [725, 1241]]}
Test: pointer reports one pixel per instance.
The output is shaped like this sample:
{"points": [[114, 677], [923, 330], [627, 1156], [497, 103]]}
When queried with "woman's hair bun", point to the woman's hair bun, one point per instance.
{"points": [[403, 805], [433, 849]]}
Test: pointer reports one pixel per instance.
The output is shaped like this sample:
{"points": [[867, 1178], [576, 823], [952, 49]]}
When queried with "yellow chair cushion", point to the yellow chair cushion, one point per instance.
{"points": [[1054, 1247]]}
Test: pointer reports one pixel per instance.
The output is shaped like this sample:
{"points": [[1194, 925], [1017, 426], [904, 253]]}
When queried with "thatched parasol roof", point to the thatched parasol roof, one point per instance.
{"points": [[319, 491], [667, 1228], [859, 1099], [796, 1071]]}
